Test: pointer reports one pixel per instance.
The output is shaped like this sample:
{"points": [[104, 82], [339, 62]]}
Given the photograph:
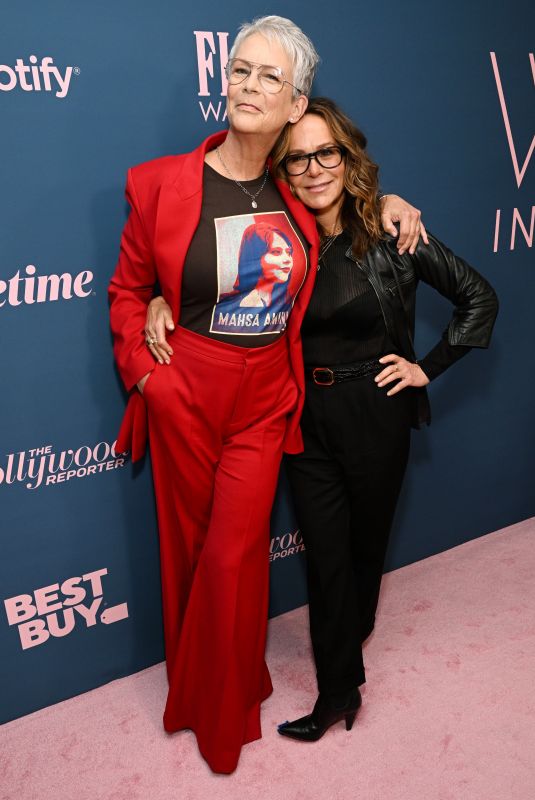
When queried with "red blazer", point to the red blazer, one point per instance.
{"points": [[165, 196]]}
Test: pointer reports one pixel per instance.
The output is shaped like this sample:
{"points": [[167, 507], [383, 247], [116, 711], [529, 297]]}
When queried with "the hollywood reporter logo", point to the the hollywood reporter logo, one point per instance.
{"points": [[41, 466], [212, 57], [520, 169], [56, 610], [37, 76], [288, 544]]}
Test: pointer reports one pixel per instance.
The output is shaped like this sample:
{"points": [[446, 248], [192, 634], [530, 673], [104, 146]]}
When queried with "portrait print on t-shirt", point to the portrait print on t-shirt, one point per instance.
{"points": [[261, 266]]}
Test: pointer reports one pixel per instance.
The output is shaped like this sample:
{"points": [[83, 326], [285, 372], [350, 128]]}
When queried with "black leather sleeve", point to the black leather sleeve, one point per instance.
{"points": [[475, 301]]}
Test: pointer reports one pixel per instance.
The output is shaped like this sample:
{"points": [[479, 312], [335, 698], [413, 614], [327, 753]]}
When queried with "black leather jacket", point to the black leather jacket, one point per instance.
{"points": [[475, 301]]}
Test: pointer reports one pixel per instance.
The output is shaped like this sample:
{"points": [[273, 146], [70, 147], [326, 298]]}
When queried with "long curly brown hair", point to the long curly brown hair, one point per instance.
{"points": [[360, 213]]}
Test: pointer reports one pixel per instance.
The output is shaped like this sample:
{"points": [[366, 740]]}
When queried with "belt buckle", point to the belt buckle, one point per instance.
{"points": [[319, 382]]}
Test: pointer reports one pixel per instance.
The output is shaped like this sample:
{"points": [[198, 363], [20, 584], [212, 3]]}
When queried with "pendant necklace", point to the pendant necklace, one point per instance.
{"points": [[327, 242], [231, 176]]}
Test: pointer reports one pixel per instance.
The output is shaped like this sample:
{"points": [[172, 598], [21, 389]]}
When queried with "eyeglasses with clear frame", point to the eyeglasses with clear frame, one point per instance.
{"points": [[271, 79], [327, 157]]}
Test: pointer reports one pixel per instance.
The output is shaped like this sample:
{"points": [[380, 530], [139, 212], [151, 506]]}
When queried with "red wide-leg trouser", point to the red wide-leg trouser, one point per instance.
{"points": [[217, 418]]}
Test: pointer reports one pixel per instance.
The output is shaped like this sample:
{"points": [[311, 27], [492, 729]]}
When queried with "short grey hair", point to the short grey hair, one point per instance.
{"points": [[297, 45]]}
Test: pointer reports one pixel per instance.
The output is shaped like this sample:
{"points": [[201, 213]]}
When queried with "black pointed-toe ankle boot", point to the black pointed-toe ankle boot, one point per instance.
{"points": [[325, 713]]}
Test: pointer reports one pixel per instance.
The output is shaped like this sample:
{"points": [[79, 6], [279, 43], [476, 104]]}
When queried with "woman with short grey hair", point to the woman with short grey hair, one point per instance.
{"points": [[222, 413], [297, 45]]}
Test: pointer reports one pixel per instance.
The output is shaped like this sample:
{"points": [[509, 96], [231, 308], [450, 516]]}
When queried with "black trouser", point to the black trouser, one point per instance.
{"points": [[345, 488]]}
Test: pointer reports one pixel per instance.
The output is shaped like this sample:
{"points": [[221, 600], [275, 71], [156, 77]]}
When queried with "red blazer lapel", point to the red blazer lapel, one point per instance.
{"points": [[177, 217], [307, 224]]}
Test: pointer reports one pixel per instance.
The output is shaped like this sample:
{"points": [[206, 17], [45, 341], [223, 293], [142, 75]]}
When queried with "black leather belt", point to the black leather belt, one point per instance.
{"points": [[327, 376]]}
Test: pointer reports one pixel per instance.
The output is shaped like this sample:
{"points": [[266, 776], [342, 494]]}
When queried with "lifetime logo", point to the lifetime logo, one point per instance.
{"points": [[50, 611], [35, 77], [30, 288]]}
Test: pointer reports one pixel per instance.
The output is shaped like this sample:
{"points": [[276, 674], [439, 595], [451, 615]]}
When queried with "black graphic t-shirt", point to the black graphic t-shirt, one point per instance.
{"points": [[243, 270]]}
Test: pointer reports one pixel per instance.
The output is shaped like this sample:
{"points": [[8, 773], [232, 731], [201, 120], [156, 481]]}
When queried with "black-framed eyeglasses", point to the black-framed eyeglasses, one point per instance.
{"points": [[328, 157], [271, 79]]}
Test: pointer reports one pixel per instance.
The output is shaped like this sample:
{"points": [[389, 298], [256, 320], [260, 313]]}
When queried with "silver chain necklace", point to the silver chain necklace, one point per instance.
{"points": [[231, 176], [326, 243]]}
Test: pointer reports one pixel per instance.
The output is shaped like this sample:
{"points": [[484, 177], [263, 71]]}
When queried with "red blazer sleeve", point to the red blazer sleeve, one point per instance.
{"points": [[130, 291]]}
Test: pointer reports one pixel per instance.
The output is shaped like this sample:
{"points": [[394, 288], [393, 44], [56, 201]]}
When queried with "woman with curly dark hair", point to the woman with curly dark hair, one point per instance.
{"points": [[365, 389]]}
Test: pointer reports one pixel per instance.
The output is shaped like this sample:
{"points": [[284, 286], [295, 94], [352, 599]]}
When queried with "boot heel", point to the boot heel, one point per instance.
{"points": [[350, 719]]}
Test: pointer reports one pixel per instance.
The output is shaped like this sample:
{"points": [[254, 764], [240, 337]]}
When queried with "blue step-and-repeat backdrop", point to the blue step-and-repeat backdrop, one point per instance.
{"points": [[446, 95]]}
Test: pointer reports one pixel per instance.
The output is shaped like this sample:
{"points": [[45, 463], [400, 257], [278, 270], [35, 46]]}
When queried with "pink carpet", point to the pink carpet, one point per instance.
{"points": [[448, 714]]}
